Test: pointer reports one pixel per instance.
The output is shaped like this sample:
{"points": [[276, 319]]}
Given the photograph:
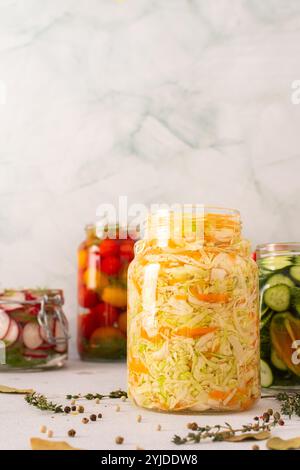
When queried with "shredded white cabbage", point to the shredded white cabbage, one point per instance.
{"points": [[193, 336]]}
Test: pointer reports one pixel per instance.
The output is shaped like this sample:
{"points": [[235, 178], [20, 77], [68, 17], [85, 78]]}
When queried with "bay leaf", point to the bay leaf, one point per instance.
{"points": [[12, 390], [44, 444], [248, 436], [276, 443]]}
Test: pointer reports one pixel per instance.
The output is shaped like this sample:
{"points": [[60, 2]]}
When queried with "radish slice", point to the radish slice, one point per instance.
{"points": [[17, 297], [46, 347], [31, 336], [37, 354], [13, 333], [58, 333], [4, 324], [51, 324]]}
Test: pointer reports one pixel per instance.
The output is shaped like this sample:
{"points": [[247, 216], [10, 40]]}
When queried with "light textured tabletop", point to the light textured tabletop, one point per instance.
{"points": [[19, 421]]}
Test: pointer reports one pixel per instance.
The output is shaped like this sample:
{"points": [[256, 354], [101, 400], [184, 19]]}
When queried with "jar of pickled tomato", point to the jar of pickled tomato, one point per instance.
{"points": [[279, 269], [103, 260], [193, 313], [33, 329]]}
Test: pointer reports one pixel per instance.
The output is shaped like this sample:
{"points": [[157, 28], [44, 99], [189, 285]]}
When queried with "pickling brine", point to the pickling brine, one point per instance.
{"points": [[279, 269], [193, 321]]}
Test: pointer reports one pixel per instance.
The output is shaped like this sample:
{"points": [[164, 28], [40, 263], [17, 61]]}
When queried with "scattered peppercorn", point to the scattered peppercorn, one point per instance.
{"points": [[255, 447], [192, 426], [93, 417], [67, 409], [256, 418], [84, 420], [266, 417], [139, 418], [73, 408], [71, 433], [80, 409], [281, 422], [50, 433], [100, 415], [119, 440]]}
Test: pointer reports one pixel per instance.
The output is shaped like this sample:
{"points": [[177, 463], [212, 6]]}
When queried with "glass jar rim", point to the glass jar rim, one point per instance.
{"points": [[277, 249], [204, 208]]}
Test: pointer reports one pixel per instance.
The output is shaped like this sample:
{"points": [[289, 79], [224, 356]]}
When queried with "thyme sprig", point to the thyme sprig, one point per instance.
{"points": [[42, 403], [99, 396], [218, 433]]}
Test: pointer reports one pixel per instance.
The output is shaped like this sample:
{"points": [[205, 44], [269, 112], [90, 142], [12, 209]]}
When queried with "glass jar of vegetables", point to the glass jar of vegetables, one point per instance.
{"points": [[193, 316], [33, 329], [103, 260], [279, 268]]}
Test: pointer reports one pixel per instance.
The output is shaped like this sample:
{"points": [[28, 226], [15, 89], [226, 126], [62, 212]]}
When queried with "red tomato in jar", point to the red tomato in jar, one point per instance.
{"points": [[87, 298], [106, 314], [87, 324], [109, 248], [110, 265], [126, 250]]}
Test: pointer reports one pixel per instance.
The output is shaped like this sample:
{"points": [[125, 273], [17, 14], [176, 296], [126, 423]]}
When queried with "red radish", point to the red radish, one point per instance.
{"points": [[31, 336], [35, 354], [4, 324], [16, 297], [46, 347], [61, 347], [13, 333]]}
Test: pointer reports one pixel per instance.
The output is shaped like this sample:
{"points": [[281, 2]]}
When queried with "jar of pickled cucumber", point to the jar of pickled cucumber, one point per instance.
{"points": [[33, 329], [193, 313], [103, 260], [279, 270]]}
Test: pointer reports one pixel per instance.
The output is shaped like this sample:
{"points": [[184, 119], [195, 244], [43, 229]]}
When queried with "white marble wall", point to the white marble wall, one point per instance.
{"points": [[160, 100]]}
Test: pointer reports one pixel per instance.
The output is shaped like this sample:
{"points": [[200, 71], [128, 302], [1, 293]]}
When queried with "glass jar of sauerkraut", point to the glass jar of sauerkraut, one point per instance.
{"points": [[279, 270], [193, 313]]}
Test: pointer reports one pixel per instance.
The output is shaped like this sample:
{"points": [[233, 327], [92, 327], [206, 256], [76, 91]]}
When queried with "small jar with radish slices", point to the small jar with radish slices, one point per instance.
{"points": [[103, 260], [33, 329]]}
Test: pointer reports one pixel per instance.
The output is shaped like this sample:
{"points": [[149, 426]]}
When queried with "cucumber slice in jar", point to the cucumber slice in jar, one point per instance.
{"points": [[276, 279], [275, 263], [278, 297], [295, 301], [295, 273], [276, 361], [266, 374]]}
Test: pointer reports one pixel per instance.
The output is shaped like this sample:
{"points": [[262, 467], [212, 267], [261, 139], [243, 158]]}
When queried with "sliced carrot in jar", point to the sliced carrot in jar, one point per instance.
{"points": [[195, 332], [136, 366], [210, 298]]}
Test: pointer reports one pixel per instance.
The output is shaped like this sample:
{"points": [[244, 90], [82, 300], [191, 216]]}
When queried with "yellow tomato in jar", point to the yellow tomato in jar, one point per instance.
{"points": [[122, 322], [94, 279], [105, 332], [115, 296], [82, 258]]}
